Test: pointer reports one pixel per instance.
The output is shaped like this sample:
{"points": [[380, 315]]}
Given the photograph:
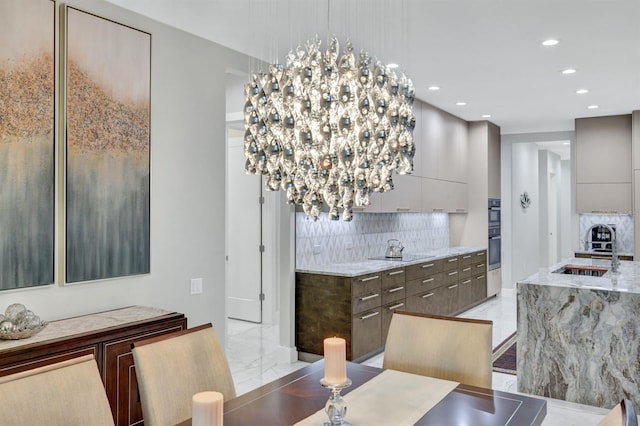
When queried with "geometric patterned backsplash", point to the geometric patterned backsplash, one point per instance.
{"points": [[622, 222], [325, 241]]}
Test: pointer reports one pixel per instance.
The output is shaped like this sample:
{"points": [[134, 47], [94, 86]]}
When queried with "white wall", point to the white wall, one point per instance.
{"points": [[566, 212], [187, 185], [525, 226]]}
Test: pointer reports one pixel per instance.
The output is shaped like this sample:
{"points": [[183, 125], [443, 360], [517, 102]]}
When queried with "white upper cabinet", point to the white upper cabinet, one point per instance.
{"points": [[603, 149], [405, 197], [603, 164], [443, 145]]}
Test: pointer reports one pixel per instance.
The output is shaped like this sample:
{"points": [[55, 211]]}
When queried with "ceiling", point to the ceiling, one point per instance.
{"points": [[487, 53]]}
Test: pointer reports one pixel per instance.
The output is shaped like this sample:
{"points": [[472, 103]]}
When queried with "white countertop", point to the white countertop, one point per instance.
{"points": [[601, 253], [627, 279], [363, 267]]}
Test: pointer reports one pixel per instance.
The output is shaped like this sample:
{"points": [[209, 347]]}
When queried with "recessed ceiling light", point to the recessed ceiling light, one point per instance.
{"points": [[550, 42], [461, 103], [392, 65], [582, 91], [593, 107], [434, 88], [569, 71], [486, 115]]}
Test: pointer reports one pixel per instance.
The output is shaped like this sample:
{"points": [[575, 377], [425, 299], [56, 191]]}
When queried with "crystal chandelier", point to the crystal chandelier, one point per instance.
{"points": [[329, 129]]}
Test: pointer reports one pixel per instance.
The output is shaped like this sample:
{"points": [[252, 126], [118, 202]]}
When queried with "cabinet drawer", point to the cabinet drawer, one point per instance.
{"points": [[424, 284], [451, 263], [465, 290], [479, 288], [480, 268], [393, 277], [387, 313], [426, 302], [480, 257], [366, 301], [466, 259], [366, 285], [450, 299], [451, 277], [393, 293], [424, 269], [367, 333], [466, 271]]}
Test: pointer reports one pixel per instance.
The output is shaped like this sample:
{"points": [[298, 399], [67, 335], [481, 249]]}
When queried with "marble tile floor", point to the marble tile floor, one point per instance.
{"points": [[253, 353]]}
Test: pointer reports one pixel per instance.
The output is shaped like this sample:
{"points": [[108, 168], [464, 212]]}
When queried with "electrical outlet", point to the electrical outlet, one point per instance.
{"points": [[196, 285]]}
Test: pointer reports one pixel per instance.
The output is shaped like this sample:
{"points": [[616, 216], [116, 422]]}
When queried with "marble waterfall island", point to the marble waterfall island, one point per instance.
{"points": [[578, 335]]}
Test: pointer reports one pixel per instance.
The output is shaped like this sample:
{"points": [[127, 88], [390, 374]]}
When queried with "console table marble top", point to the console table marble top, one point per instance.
{"points": [[86, 323]]}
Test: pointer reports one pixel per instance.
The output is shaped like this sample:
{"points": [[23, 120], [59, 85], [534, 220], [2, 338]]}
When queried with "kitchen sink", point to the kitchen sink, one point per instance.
{"points": [[591, 271]]}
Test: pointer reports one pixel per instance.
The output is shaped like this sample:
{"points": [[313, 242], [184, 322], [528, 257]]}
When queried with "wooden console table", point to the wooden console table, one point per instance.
{"points": [[108, 337]]}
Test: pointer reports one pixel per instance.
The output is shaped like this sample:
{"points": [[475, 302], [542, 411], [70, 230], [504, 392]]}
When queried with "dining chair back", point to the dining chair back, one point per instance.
{"points": [[623, 414], [450, 348], [67, 393], [171, 368]]}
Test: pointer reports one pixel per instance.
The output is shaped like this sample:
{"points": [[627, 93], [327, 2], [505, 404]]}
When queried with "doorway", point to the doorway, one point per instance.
{"points": [[244, 233]]}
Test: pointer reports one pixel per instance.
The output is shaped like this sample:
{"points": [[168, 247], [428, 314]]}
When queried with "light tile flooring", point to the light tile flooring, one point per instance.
{"points": [[253, 353]]}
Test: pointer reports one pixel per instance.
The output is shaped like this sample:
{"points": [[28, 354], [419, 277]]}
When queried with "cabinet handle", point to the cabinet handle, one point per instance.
{"points": [[466, 269], [393, 290], [375, 277], [467, 256], [372, 314], [425, 296], [466, 282], [451, 287], [399, 305], [373, 296], [480, 265], [479, 277], [427, 280], [401, 271], [428, 265], [452, 273], [401, 209], [455, 259]]}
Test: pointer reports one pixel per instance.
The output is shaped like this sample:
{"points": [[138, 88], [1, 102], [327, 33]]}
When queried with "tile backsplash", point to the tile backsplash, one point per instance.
{"points": [[326, 241], [622, 222]]}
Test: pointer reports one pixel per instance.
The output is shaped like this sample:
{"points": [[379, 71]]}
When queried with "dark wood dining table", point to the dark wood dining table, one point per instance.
{"points": [[298, 395]]}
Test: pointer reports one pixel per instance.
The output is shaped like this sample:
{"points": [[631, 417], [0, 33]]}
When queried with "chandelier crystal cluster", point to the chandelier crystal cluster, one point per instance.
{"points": [[329, 129]]}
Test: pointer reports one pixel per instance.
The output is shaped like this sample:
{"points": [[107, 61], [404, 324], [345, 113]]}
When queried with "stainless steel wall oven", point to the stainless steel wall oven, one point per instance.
{"points": [[494, 243]]}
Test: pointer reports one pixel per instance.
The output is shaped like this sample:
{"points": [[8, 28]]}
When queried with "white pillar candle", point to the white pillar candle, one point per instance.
{"points": [[335, 361], [206, 409]]}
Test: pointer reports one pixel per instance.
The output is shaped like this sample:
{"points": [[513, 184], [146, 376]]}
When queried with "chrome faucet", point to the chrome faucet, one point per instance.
{"points": [[615, 261]]}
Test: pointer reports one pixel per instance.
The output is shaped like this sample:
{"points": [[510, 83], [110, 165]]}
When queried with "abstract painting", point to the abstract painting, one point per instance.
{"points": [[108, 83], [27, 143]]}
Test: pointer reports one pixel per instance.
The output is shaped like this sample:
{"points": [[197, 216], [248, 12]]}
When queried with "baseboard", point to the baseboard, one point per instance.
{"points": [[286, 354]]}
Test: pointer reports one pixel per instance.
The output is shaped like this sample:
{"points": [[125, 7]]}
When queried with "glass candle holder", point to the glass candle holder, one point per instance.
{"points": [[336, 407]]}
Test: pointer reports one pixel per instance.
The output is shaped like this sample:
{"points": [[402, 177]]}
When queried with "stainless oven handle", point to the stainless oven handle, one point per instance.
{"points": [[495, 238]]}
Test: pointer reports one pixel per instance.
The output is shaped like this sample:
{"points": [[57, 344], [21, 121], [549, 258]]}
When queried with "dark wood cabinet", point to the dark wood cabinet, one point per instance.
{"points": [[109, 344], [359, 309]]}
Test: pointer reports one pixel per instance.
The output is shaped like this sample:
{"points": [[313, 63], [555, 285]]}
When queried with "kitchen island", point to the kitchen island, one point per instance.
{"points": [[578, 334]]}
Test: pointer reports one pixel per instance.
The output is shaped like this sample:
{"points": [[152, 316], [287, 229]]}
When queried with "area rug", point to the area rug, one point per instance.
{"points": [[504, 356]]}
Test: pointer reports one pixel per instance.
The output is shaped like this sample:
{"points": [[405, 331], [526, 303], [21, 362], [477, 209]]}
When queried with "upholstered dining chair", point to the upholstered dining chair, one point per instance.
{"points": [[449, 348], [67, 393], [623, 414], [173, 367]]}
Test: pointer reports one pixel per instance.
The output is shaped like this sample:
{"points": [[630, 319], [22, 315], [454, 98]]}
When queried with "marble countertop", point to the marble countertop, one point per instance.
{"points": [[627, 279], [363, 267], [87, 323]]}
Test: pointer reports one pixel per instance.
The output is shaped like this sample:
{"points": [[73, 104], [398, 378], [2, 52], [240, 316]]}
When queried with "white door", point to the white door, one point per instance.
{"points": [[244, 234]]}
